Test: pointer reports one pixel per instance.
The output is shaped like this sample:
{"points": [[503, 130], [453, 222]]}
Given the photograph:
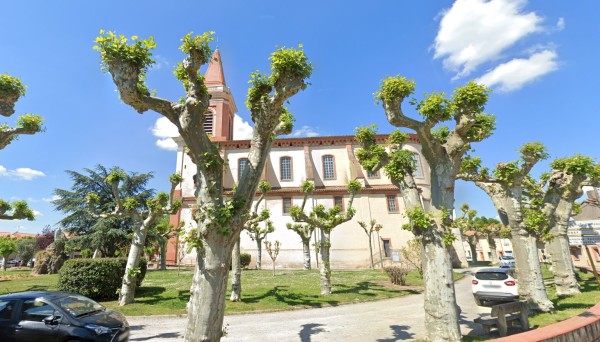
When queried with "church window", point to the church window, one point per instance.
{"points": [[392, 203], [328, 167], [287, 205], [285, 164]]}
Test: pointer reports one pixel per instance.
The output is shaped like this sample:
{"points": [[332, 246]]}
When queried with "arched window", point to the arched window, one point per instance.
{"points": [[328, 167], [285, 168]]}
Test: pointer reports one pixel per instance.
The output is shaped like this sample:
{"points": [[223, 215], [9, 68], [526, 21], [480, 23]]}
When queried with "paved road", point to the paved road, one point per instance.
{"points": [[382, 321]]}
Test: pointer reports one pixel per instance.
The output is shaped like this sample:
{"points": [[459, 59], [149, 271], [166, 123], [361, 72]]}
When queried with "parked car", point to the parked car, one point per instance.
{"points": [[10, 263], [58, 316], [507, 261], [495, 284]]}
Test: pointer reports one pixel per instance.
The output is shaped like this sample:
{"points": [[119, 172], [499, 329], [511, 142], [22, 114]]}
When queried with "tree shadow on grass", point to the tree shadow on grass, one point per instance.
{"points": [[399, 332], [281, 294], [38, 288], [149, 295], [367, 288]]}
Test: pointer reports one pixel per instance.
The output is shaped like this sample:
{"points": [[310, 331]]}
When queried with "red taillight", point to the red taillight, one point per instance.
{"points": [[474, 282], [510, 283]]}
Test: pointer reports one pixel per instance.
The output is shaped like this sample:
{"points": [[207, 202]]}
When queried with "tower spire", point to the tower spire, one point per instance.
{"points": [[214, 73]]}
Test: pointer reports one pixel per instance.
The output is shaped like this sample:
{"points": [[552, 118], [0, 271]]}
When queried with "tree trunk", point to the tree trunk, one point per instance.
{"points": [[529, 272], [236, 278], [96, 254], [163, 254], [473, 250], [560, 253], [441, 310], [371, 252], [127, 294], [258, 254], [441, 314], [209, 286], [306, 252], [457, 251], [325, 265], [4, 261], [493, 250]]}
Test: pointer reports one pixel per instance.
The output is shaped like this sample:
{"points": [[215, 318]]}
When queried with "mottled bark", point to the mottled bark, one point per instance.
{"points": [[560, 253], [473, 248], [306, 253], [128, 286], [163, 253], [207, 294], [441, 310], [529, 272], [493, 250], [563, 189], [258, 254], [236, 277], [325, 272]]}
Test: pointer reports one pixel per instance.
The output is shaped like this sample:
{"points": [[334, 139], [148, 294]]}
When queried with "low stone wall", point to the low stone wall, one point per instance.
{"points": [[584, 327]]}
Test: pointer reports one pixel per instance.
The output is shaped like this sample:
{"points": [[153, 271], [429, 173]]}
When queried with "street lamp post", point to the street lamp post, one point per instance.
{"points": [[377, 228]]}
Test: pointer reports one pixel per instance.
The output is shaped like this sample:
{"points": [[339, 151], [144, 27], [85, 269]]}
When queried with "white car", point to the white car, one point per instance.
{"points": [[507, 261], [495, 284]]}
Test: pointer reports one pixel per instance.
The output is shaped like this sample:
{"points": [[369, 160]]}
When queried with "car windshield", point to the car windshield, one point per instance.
{"points": [[491, 276], [506, 258], [78, 306]]}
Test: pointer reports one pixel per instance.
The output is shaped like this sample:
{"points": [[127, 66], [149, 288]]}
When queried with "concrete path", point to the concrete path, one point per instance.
{"points": [[382, 321]]}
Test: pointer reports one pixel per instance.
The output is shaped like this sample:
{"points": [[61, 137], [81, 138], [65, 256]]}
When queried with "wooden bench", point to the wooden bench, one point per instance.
{"points": [[504, 315]]}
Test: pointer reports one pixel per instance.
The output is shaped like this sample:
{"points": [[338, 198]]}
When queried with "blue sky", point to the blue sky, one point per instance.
{"points": [[540, 58]]}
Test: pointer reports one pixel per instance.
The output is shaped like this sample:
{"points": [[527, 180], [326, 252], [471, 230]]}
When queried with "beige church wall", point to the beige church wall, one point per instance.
{"points": [[273, 171], [340, 158], [349, 246]]}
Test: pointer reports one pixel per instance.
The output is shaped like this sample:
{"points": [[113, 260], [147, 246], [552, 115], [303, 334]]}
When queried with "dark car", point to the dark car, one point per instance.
{"points": [[58, 316]]}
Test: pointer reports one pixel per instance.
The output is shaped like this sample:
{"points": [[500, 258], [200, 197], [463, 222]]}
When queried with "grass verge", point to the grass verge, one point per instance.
{"points": [[167, 292]]}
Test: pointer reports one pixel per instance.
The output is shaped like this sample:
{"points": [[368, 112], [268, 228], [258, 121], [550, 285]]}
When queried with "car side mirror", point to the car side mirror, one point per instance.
{"points": [[51, 320]]}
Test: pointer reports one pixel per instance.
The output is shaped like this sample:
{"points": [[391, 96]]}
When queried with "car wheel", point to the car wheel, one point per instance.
{"points": [[478, 301]]}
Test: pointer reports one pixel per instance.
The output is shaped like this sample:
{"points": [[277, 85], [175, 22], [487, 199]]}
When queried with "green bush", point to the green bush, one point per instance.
{"points": [[397, 274], [245, 259], [98, 279]]}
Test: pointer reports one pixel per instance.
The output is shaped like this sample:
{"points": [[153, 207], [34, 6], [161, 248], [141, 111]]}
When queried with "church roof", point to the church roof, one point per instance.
{"points": [[214, 74]]}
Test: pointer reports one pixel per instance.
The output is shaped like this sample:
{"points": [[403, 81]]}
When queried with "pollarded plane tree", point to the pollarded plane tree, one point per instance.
{"points": [[562, 186], [491, 229], [443, 147], [399, 165], [326, 220], [368, 228], [506, 185], [8, 246], [219, 220], [159, 235], [257, 233], [143, 216], [466, 226], [11, 89], [258, 225], [304, 231]]}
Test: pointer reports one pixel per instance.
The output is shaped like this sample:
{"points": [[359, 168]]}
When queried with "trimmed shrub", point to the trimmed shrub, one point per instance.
{"points": [[245, 259], [98, 279], [397, 274]]}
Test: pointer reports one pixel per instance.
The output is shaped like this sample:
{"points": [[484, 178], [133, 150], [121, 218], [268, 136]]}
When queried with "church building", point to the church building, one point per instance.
{"points": [[330, 162]]}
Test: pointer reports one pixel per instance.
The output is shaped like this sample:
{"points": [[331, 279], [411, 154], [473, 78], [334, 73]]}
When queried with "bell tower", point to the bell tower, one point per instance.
{"points": [[219, 119]]}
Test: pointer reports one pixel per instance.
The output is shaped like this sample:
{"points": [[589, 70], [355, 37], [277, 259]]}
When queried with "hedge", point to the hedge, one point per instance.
{"points": [[98, 279], [245, 259]]}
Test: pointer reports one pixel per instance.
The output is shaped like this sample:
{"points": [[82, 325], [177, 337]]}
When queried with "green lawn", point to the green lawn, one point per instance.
{"points": [[167, 292]]}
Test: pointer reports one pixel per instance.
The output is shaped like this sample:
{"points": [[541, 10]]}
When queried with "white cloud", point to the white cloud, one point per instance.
{"points": [[51, 199], [560, 25], [304, 131], [37, 213], [473, 32], [164, 130], [23, 173], [241, 129], [516, 73]]}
